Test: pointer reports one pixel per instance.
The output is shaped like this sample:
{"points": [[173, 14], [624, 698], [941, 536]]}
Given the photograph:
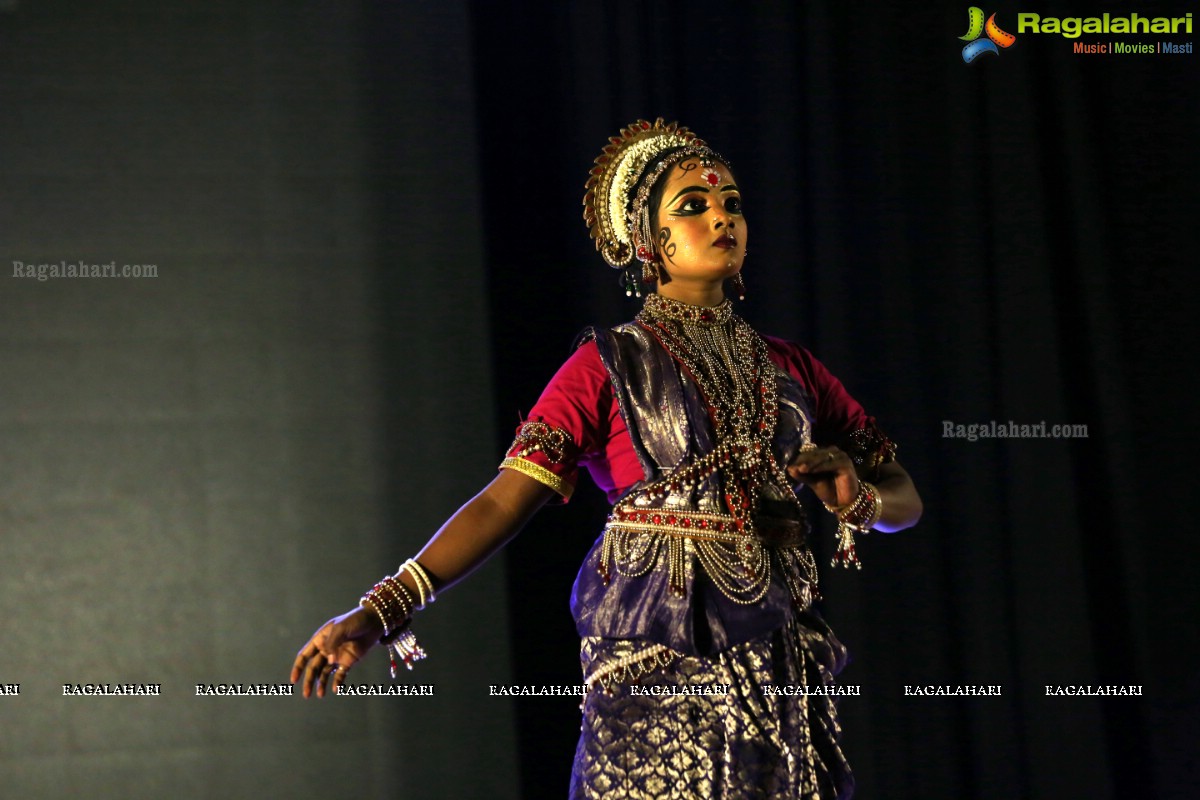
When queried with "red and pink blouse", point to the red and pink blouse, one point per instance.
{"points": [[579, 403]]}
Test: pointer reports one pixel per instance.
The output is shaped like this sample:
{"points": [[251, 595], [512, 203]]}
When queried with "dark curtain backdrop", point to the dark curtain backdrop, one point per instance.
{"points": [[1006, 240], [198, 469]]}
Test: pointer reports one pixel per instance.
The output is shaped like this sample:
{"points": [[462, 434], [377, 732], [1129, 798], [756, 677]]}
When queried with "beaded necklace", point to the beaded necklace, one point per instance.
{"points": [[730, 365]]}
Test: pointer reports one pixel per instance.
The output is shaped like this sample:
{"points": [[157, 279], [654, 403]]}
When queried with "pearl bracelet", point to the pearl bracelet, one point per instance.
{"points": [[421, 579]]}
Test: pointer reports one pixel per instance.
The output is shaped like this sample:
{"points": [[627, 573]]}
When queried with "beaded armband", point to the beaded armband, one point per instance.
{"points": [[869, 447], [536, 436]]}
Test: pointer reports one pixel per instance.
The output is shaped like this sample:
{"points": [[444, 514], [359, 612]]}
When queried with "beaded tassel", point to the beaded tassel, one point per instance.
{"points": [[676, 576], [846, 554], [861, 515], [406, 648], [606, 557]]}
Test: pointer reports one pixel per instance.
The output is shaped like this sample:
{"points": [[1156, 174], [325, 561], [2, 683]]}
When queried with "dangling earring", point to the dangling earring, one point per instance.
{"points": [[629, 281], [739, 287], [649, 272]]}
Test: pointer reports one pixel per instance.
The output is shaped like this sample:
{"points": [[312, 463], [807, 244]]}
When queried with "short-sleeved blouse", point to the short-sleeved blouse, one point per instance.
{"points": [[579, 400]]}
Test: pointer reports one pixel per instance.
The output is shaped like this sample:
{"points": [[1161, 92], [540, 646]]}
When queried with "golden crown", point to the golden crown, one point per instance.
{"points": [[609, 192]]}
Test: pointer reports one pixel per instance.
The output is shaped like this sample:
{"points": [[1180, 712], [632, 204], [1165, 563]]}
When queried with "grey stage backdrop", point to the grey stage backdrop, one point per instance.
{"points": [[198, 468]]}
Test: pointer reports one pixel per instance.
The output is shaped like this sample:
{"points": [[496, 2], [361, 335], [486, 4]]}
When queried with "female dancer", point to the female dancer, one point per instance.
{"points": [[710, 673]]}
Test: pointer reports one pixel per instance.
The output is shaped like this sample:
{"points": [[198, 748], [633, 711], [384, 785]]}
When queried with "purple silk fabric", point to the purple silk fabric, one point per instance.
{"points": [[669, 425]]}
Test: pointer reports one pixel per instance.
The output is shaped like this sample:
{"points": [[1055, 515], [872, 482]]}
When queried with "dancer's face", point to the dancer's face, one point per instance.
{"points": [[699, 230]]}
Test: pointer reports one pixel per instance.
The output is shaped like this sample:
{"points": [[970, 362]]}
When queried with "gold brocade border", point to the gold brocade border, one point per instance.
{"points": [[539, 474]]}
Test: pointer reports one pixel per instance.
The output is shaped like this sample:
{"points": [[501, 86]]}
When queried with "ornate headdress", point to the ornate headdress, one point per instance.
{"points": [[615, 204]]}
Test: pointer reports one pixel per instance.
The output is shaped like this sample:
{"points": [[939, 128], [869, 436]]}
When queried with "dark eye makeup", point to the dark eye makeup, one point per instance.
{"points": [[697, 205]]}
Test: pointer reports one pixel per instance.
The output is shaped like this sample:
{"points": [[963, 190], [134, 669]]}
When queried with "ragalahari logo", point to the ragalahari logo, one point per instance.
{"points": [[976, 27]]}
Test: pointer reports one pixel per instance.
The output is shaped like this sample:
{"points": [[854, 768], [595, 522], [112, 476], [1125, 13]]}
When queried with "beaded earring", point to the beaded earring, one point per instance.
{"points": [[630, 281], [739, 287], [649, 272]]}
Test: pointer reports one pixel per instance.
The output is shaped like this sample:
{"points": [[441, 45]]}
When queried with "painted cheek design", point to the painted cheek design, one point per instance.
{"points": [[665, 245]]}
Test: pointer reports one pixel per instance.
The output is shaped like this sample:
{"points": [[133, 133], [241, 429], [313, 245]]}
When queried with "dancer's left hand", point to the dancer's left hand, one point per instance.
{"points": [[829, 472]]}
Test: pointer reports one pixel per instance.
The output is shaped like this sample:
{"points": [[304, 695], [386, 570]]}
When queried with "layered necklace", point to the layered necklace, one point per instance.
{"points": [[729, 364], [731, 368]]}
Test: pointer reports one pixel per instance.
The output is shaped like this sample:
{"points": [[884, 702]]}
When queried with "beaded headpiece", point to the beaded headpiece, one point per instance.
{"points": [[617, 192]]}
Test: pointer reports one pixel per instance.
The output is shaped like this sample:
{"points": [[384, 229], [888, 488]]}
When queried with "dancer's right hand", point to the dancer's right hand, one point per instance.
{"points": [[336, 647]]}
